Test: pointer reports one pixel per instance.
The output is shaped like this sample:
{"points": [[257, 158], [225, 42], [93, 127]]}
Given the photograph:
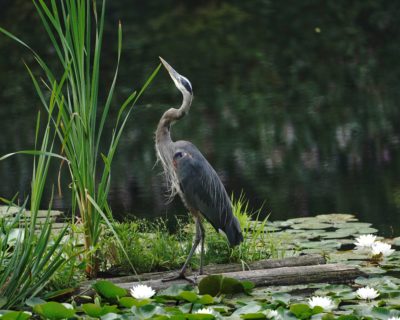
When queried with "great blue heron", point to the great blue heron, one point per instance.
{"points": [[190, 175]]}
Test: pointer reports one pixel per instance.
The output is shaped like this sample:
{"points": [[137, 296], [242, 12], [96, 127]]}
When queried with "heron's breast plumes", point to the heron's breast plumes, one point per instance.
{"points": [[165, 151]]}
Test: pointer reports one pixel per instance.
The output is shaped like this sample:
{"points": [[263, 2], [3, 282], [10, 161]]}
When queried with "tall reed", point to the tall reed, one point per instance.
{"points": [[75, 29]]}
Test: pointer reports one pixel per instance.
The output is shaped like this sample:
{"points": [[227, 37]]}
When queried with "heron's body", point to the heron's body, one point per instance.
{"points": [[190, 175]]}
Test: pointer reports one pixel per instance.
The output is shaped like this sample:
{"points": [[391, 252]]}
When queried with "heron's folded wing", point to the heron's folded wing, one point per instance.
{"points": [[204, 191]]}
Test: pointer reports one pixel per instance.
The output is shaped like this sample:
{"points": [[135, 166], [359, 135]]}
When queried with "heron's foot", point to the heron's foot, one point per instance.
{"points": [[179, 276]]}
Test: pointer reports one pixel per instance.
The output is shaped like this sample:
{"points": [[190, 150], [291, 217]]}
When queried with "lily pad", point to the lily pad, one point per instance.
{"points": [[300, 220], [396, 241], [354, 224], [96, 311], [109, 290], [335, 217], [217, 284], [322, 245], [53, 310], [129, 302], [253, 316], [16, 315], [175, 290], [147, 311], [252, 307], [312, 225], [340, 233]]}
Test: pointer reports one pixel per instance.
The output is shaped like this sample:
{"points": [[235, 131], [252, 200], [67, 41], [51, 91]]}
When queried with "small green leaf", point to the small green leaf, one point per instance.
{"points": [[111, 316], [317, 309], [53, 310], [347, 317], [16, 315], [252, 307], [129, 302], [200, 316], [281, 297], [248, 285], [328, 316], [178, 317], [205, 299], [301, 310], [96, 311], [231, 286], [210, 285], [253, 316], [147, 311], [380, 311], [109, 290], [189, 296], [162, 317], [217, 284], [175, 290]]}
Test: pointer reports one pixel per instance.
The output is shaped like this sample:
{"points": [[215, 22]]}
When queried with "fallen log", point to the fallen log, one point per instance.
{"points": [[327, 273], [289, 271], [305, 260]]}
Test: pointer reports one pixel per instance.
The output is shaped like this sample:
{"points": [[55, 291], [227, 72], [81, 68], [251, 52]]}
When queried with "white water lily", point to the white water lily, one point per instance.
{"points": [[382, 248], [365, 241], [141, 291], [325, 303], [394, 318], [205, 311], [272, 314], [367, 293]]}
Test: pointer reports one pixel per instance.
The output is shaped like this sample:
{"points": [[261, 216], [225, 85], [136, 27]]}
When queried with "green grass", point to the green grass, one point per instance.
{"points": [[149, 245], [152, 247]]}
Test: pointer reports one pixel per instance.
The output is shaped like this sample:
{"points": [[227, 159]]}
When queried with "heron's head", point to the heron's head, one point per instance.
{"points": [[181, 82]]}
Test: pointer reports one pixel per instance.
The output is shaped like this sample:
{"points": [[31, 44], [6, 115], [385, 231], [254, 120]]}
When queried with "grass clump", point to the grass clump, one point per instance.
{"points": [[152, 247], [258, 242], [149, 245]]}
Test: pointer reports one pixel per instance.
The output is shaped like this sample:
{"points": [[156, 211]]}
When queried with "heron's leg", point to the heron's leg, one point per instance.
{"points": [[197, 240], [203, 235]]}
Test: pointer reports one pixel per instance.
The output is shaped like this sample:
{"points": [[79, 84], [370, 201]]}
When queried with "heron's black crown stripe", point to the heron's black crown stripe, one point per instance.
{"points": [[186, 84]]}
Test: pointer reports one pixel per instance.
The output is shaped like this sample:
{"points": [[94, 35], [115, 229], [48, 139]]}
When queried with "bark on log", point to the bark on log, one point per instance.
{"points": [[277, 272], [305, 260], [330, 273]]}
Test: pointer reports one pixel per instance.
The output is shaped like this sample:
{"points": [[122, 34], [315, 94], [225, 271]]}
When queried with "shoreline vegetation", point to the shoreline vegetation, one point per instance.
{"points": [[339, 238], [69, 93]]}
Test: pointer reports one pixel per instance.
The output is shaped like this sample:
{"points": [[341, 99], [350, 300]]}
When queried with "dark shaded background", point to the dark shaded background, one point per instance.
{"points": [[296, 102]]}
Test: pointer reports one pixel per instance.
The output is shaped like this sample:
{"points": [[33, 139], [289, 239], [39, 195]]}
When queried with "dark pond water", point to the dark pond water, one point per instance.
{"points": [[296, 103]]}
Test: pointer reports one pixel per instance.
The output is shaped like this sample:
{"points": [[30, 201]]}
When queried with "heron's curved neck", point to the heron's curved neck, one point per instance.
{"points": [[163, 133]]}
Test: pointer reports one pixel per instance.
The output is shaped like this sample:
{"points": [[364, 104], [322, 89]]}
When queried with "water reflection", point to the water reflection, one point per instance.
{"points": [[304, 121]]}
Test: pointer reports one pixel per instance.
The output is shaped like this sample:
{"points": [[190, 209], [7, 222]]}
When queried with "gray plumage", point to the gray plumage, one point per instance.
{"points": [[201, 189], [190, 175]]}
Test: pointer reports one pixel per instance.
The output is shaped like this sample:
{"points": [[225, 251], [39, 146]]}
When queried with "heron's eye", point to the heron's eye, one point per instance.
{"points": [[178, 155]]}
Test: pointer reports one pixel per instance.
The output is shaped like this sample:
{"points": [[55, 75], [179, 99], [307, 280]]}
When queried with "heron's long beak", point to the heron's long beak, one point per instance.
{"points": [[174, 75]]}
